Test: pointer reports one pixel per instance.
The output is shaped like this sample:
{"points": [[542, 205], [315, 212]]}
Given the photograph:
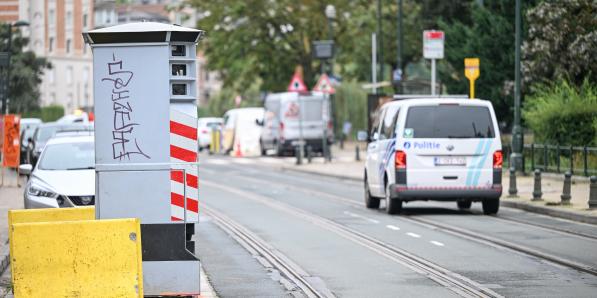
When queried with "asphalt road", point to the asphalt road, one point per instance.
{"points": [[321, 227]]}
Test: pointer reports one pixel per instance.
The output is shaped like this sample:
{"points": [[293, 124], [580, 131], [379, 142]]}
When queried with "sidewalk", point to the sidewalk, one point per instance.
{"points": [[344, 166]]}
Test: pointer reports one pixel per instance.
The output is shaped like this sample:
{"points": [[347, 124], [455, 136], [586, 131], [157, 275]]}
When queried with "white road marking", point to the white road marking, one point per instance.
{"points": [[391, 227], [413, 235], [243, 161], [361, 217], [436, 243], [217, 161]]}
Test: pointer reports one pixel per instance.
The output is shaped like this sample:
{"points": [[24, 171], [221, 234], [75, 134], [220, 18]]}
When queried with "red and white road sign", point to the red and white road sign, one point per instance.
{"points": [[324, 85], [433, 44], [184, 184], [297, 84]]}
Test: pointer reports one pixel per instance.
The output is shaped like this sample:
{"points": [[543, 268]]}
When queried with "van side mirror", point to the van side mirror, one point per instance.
{"points": [[259, 122], [25, 169], [362, 136]]}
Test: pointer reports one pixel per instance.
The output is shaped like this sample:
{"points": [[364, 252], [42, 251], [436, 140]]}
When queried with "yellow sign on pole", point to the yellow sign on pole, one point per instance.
{"points": [[472, 72]]}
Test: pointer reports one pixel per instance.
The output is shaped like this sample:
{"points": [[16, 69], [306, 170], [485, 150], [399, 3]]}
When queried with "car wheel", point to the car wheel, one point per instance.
{"points": [[464, 204], [491, 206], [370, 201], [393, 205]]}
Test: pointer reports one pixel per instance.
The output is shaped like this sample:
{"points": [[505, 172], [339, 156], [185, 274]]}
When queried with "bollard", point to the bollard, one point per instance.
{"points": [[512, 190], [309, 153], [593, 193], [537, 188], [297, 152], [357, 153], [565, 197]]}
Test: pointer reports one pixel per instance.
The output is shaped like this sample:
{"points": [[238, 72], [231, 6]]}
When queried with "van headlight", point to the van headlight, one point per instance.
{"points": [[40, 191]]}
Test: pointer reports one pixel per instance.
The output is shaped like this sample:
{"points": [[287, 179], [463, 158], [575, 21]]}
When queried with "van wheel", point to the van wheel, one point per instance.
{"points": [[393, 205], [279, 151], [263, 151], [491, 206], [464, 204], [370, 201]]}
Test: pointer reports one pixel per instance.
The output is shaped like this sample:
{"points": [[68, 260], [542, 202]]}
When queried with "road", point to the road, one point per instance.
{"points": [[295, 234]]}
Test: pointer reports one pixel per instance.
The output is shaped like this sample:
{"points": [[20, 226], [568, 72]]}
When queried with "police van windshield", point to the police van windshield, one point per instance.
{"points": [[449, 121]]}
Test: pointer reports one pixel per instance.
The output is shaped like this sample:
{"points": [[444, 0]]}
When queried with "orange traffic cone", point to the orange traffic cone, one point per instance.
{"points": [[238, 152]]}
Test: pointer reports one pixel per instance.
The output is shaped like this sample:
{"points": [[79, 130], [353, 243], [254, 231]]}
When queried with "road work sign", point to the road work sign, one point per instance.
{"points": [[324, 85], [472, 72], [297, 84], [10, 142]]}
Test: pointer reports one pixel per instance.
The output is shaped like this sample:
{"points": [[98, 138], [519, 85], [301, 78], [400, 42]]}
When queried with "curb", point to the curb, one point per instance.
{"points": [[565, 214]]}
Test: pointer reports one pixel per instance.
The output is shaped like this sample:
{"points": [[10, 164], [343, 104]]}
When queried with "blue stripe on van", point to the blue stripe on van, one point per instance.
{"points": [[482, 162], [472, 165]]}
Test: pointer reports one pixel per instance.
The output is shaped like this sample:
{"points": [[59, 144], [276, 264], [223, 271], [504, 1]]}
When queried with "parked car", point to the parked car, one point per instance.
{"points": [[284, 113], [64, 175], [205, 126], [28, 126], [47, 130], [434, 149], [241, 132]]}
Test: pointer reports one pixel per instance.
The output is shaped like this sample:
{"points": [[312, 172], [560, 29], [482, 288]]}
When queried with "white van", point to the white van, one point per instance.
{"points": [[434, 149], [284, 113], [241, 132]]}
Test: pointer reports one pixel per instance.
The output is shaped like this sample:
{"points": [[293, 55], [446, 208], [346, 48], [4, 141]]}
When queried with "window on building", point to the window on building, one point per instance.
{"points": [[85, 74], [68, 44], [51, 44], [69, 75], [51, 17], [69, 19], [51, 75], [84, 20]]}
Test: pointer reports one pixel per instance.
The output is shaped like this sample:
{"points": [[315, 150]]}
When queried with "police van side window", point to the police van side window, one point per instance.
{"points": [[387, 129], [376, 123]]}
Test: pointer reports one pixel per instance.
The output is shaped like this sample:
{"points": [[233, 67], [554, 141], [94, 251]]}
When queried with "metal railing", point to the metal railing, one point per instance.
{"points": [[579, 160]]}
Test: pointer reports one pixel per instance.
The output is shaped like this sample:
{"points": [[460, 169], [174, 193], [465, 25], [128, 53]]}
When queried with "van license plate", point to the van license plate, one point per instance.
{"points": [[449, 161]]}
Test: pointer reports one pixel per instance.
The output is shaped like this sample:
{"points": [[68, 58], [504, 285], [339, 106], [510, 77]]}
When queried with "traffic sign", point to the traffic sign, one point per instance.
{"points": [[433, 44], [297, 84], [472, 72], [324, 85]]}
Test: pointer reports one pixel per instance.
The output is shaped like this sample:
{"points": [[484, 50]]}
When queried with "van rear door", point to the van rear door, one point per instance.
{"points": [[450, 146]]}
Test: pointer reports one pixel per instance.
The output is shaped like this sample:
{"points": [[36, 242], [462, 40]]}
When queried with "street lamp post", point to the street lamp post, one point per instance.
{"points": [[330, 13], [6, 81], [517, 136]]}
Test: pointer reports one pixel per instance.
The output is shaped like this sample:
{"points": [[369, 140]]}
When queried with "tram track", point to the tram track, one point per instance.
{"points": [[462, 233], [459, 284]]}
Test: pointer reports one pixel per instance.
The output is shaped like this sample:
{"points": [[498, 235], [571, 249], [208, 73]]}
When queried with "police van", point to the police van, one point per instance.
{"points": [[444, 149]]}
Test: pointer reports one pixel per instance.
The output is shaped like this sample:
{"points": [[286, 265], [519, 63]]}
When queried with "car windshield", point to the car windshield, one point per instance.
{"points": [[449, 121], [68, 156], [46, 132]]}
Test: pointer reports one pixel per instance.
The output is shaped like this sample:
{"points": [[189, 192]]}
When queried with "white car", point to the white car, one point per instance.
{"points": [[205, 126], [64, 175], [434, 149]]}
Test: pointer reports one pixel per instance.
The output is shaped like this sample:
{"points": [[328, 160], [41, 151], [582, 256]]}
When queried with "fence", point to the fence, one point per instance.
{"points": [[579, 160]]}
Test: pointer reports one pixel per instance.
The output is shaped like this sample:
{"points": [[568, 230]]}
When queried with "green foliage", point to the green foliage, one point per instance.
{"points": [[26, 72], [46, 114], [225, 100], [563, 114], [562, 42], [350, 103]]}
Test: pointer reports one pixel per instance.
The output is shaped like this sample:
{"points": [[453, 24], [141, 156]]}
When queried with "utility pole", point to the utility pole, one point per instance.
{"points": [[380, 38], [517, 137], [399, 48]]}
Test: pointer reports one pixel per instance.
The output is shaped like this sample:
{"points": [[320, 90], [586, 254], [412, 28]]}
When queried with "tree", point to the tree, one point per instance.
{"points": [[561, 42], [25, 75], [489, 37]]}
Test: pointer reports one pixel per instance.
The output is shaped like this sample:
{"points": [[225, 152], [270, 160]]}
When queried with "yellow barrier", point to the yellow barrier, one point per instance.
{"points": [[73, 257], [50, 214]]}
